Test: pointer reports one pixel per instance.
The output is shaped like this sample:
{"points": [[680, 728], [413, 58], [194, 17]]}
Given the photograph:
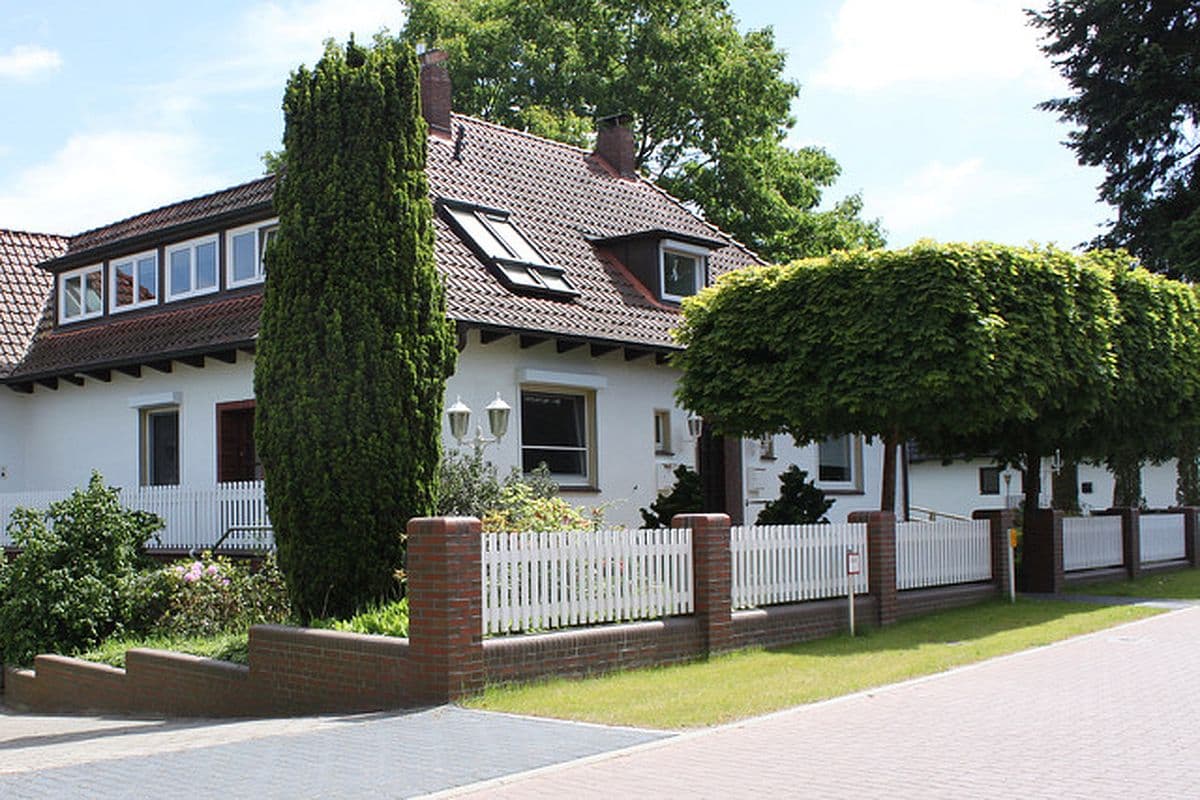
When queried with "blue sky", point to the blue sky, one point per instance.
{"points": [[114, 108]]}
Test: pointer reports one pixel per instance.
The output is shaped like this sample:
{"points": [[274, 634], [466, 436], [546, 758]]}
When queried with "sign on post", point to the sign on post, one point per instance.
{"points": [[853, 567], [1012, 565]]}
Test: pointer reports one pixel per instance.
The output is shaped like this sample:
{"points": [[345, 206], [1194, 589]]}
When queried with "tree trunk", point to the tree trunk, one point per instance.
{"points": [[887, 491], [1187, 473], [1127, 482], [1031, 483], [1064, 488]]}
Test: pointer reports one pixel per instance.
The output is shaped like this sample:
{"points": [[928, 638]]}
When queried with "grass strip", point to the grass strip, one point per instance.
{"points": [[756, 681], [1182, 585], [223, 646]]}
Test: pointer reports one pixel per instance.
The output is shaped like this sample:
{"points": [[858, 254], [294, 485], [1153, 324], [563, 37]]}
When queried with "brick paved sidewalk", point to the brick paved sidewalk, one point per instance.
{"points": [[1115, 714]]}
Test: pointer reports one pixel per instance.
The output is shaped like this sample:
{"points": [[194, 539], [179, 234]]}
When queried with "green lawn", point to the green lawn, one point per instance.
{"points": [[1182, 585], [751, 682], [224, 646]]}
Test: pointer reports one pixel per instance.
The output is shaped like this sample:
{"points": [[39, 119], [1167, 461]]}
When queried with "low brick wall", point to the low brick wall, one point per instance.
{"points": [[915, 602], [799, 622], [1083, 577]]}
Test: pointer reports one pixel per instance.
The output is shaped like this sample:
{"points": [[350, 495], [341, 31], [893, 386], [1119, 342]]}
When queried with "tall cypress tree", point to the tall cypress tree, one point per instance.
{"points": [[354, 347]]}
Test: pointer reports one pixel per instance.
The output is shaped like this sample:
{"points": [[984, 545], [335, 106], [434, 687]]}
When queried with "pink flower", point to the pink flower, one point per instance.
{"points": [[213, 569]]}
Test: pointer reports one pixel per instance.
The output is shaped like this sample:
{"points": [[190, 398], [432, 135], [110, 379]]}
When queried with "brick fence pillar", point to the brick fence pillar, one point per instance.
{"points": [[445, 607], [1042, 553], [881, 561], [1191, 530], [1001, 521], [1131, 537], [712, 577]]}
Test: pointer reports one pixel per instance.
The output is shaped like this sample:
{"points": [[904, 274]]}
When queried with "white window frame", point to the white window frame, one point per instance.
{"points": [[662, 424], [259, 230], [191, 245], [854, 485], [113, 308], [682, 249], [572, 480], [82, 274]]}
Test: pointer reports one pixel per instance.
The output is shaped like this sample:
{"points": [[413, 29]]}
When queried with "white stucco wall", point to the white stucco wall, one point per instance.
{"points": [[761, 476], [954, 488], [12, 440]]}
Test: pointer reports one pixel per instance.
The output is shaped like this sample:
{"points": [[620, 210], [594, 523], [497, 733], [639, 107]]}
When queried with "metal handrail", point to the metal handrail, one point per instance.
{"points": [[935, 515]]}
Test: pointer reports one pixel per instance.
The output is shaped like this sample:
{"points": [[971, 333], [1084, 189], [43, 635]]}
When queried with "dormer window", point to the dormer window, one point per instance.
{"points": [[81, 294], [192, 267], [245, 248], [681, 269], [134, 281], [495, 239]]}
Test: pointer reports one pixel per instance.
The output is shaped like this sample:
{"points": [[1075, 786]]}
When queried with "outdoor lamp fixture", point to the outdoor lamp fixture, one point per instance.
{"points": [[1008, 476], [1056, 463], [460, 422], [695, 424]]}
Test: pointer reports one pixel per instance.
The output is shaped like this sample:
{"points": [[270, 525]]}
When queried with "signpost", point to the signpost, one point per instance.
{"points": [[1012, 567], [853, 567]]}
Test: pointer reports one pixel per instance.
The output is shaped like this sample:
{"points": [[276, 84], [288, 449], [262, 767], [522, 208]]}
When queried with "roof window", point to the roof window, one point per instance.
{"points": [[495, 239]]}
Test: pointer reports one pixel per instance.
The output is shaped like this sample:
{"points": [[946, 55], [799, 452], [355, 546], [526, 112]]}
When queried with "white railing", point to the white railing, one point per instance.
{"points": [[1162, 537], [539, 581], [196, 517], [791, 563], [941, 553], [1092, 542]]}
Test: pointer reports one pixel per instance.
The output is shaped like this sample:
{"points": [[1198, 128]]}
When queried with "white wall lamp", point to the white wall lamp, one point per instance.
{"points": [[695, 424], [459, 414]]}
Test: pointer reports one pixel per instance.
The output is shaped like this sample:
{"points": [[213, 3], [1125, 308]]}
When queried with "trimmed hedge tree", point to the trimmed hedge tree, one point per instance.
{"points": [[355, 346]]}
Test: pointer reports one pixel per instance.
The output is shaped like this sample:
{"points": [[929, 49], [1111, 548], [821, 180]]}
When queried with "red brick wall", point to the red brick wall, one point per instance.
{"points": [[799, 622], [915, 602]]}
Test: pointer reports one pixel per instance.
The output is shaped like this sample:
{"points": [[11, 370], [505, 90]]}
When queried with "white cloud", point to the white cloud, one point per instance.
{"points": [[26, 61], [882, 43], [101, 177], [940, 192]]}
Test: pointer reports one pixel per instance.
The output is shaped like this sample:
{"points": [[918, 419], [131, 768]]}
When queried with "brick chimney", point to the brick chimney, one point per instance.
{"points": [[614, 144], [435, 91]]}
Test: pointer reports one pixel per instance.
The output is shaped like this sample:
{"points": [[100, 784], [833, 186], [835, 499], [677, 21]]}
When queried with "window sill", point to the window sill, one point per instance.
{"points": [[665, 453], [579, 489], [844, 491]]}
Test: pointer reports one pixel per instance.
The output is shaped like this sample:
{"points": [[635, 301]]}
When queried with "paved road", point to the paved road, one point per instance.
{"points": [[1111, 715], [376, 756]]}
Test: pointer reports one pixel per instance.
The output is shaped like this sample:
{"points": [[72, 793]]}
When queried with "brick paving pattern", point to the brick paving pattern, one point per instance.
{"points": [[383, 755], [1111, 715]]}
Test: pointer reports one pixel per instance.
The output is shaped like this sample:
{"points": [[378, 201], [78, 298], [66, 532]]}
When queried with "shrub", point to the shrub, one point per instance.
{"points": [[522, 508], [686, 497], [800, 502], [74, 582], [214, 595], [388, 619], [468, 486]]}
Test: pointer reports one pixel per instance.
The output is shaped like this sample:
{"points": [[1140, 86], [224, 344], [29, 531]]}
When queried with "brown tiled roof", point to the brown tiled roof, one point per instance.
{"points": [[198, 208], [172, 331], [23, 289], [561, 197]]}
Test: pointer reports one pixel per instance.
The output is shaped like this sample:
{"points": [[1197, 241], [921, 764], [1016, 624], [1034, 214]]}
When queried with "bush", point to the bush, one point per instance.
{"points": [[800, 502], [468, 486], [75, 580], [215, 595], [522, 508], [686, 497], [388, 619]]}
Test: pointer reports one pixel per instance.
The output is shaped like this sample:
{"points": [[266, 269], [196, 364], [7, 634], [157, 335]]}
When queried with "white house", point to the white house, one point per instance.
{"points": [[563, 272]]}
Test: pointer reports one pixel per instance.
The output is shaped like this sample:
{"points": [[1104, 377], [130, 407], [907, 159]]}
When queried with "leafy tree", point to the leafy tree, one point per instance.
{"points": [[800, 502], [710, 105], [1134, 68], [75, 580], [966, 348], [685, 497], [355, 346]]}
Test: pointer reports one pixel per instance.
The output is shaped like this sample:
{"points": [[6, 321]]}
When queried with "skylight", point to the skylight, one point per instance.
{"points": [[495, 239]]}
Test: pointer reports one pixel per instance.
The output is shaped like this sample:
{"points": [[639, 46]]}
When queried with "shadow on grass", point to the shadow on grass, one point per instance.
{"points": [[1180, 585]]}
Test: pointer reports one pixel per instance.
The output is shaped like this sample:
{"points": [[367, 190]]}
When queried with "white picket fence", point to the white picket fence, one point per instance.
{"points": [[943, 552], [196, 517], [791, 563], [1162, 537], [540, 581], [1092, 543]]}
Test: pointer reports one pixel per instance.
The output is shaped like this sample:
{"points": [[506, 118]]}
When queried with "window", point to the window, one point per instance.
{"points": [[134, 281], [160, 447], [497, 240], [662, 432], [556, 430], [766, 447], [244, 248], [192, 268], [1086, 487], [236, 456], [989, 480], [81, 294], [681, 269], [838, 458]]}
